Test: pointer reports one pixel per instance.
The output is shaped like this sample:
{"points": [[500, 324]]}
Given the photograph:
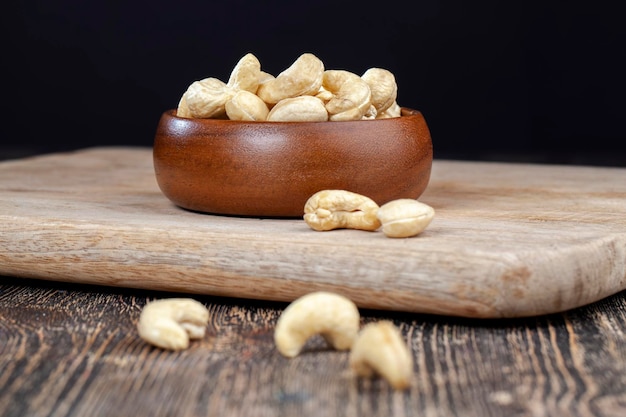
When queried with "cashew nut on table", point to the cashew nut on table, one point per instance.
{"points": [[170, 323], [304, 92], [379, 350], [340, 209], [405, 217], [333, 316]]}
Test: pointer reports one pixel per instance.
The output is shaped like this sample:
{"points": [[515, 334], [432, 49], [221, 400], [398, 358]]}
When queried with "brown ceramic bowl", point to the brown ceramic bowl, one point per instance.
{"points": [[270, 169]]}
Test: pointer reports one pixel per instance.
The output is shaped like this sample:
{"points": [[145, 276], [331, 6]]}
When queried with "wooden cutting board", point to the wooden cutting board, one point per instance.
{"points": [[508, 240]]}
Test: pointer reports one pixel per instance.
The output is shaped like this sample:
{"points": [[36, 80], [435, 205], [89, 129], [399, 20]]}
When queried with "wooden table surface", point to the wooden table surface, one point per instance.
{"points": [[72, 349]]}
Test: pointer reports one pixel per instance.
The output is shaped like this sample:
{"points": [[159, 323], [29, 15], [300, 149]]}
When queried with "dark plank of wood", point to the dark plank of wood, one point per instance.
{"points": [[72, 350]]}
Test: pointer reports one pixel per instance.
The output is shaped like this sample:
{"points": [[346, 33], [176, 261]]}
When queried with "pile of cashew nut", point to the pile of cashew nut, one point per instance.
{"points": [[377, 349], [341, 209], [304, 92]]}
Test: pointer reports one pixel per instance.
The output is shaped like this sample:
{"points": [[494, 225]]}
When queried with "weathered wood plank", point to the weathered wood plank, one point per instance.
{"points": [[69, 350], [508, 240]]}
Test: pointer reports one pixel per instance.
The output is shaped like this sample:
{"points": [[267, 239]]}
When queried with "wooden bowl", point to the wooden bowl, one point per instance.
{"points": [[270, 169]]}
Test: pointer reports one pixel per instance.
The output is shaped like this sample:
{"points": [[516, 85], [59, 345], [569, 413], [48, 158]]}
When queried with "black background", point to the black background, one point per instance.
{"points": [[495, 80]]}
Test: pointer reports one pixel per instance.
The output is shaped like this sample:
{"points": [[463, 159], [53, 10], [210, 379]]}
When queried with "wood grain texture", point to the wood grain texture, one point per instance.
{"points": [[73, 350], [508, 240]]}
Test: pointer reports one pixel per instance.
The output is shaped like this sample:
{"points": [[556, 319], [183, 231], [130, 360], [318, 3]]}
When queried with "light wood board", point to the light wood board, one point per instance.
{"points": [[508, 240]]}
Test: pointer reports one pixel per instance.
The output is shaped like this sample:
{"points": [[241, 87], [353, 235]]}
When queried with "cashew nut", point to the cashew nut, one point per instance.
{"points": [[340, 209], [298, 109], [246, 106], [382, 84], [333, 316], [345, 95], [324, 95], [264, 77], [207, 98], [352, 95], [380, 350], [183, 109], [394, 111], [171, 323], [303, 77], [405, 217], [246, 75], [371, 113]]}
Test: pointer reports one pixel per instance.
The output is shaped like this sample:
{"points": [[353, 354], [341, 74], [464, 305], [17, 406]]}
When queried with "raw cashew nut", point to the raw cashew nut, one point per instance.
{"points": [[183, 109], [298, 109], [352, 95], [207, 98], [340, 209], [333, 316], [170, 323], [246, 106], [246, 75], [264, 77], [405, 217], [394, 111], [380, 350], [345, 95], [303, 77], [324, 95], [371, 113], [382, 84]]}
